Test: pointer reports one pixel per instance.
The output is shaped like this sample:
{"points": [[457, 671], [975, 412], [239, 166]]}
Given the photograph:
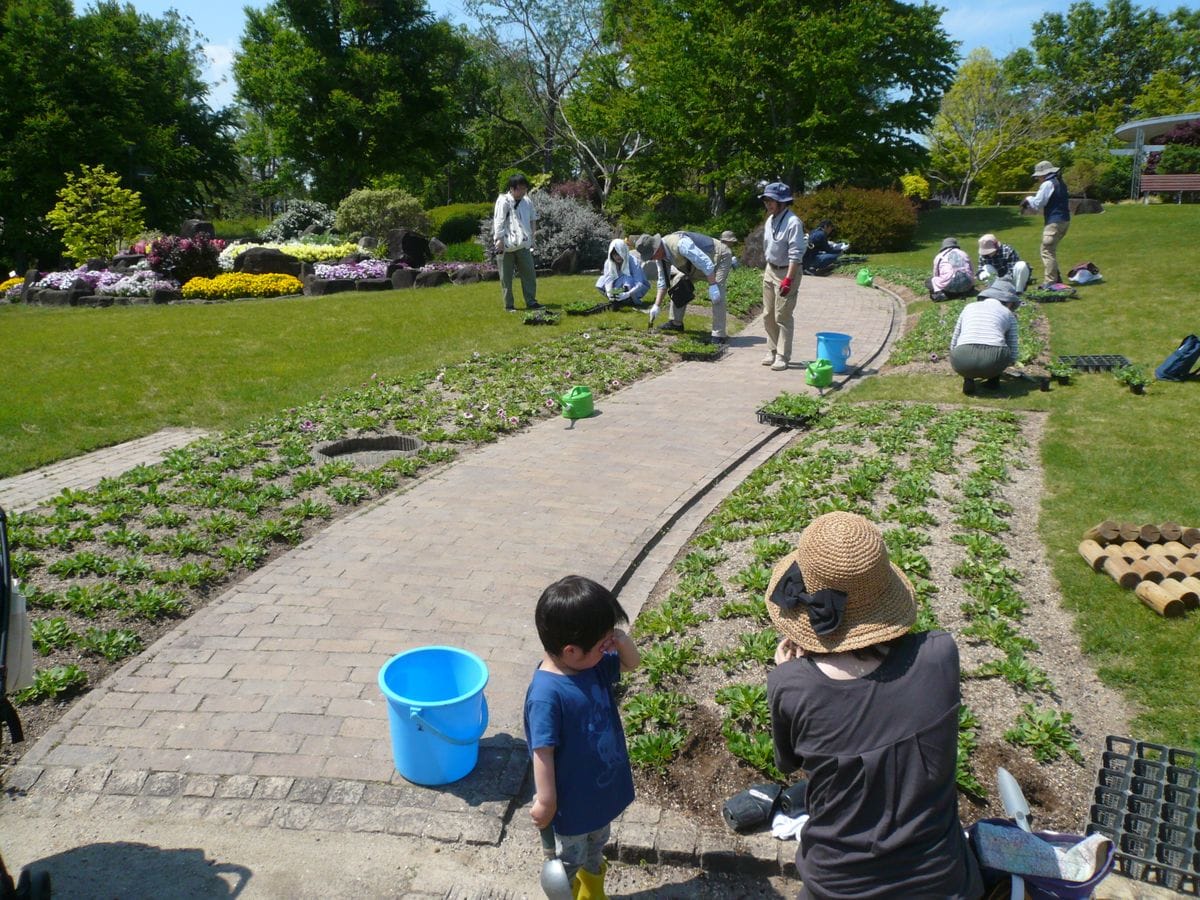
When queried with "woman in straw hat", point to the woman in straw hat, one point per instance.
{"points": [[870, 711]]}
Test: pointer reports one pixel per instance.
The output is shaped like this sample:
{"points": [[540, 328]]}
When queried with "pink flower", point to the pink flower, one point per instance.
{"points": [[308, 425], [551, 403], [468, 416], [513, 420]]}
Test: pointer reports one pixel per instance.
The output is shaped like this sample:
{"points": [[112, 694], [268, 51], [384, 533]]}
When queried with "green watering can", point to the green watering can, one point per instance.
{"points": [[819, 373], [577, 403]]}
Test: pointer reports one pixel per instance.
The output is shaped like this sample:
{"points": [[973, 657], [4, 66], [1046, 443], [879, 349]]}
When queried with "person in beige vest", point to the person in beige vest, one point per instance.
{"points": [[698, 257]]}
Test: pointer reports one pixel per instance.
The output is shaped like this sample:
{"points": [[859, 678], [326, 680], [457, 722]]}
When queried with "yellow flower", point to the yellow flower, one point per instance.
{"points": [[12, 282], [235, 285]]}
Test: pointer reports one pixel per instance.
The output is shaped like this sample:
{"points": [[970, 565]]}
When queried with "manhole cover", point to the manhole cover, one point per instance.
{"points": [[369, 451]]}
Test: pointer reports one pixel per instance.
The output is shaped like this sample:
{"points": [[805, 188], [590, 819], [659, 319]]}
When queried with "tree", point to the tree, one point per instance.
{"points": [[982, 118], [544, 44], [109, 87], [815, 92], [352, 89], [95, 214]]}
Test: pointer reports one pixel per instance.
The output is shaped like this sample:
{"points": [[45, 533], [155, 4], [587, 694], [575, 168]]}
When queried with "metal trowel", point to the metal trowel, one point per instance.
{"points": [[1016, 806], [554, 880]]}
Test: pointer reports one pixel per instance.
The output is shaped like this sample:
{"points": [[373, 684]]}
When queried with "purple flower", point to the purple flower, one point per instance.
{"points": [[933, 357], [513, 420], [616, 382], [551, 403], [308, 425], [468, 416]]}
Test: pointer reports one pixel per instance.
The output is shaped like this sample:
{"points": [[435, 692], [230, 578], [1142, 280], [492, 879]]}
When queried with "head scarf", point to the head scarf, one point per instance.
{"points": [[610, 268]]}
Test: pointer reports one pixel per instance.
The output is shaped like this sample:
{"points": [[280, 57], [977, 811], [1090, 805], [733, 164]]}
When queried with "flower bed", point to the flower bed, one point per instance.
{"points": [[61, 281], [368, 268], [946, 488], [233, 285], [141, 283], [311, 253], [10, 283]]}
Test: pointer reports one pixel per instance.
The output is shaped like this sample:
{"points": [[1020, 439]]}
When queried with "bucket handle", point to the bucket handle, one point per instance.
{"points": [[415, 715]]}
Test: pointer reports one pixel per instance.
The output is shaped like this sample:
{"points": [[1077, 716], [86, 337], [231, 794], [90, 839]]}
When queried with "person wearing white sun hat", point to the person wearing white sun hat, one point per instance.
{"points": [[1053, 200]]}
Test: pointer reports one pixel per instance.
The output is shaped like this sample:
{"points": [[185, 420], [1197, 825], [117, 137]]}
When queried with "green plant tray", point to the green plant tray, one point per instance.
{"points": [[697, 356], [542, 320], [1040, 296], [796, 422], [590, 311]]}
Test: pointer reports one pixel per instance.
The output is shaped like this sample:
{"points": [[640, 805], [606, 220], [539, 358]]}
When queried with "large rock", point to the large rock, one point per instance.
{"points": [[266, 261], [165, 296], [124, 261], [96, 264], [565, 263], [193, 227], [752, 250], [402, 277], [373, 284], [319, 287], [436, 247], [466, 275], [50, 297], [409, 246], [366, 242], [431, 278], [1082, 205]]}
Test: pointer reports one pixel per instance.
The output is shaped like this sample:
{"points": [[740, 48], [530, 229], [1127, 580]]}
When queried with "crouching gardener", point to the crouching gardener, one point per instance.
{"points": [[985, 336], [697, 256]]}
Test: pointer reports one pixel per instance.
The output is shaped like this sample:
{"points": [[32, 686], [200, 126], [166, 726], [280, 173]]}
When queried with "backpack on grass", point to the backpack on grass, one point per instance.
{"points": [[1178, 366]]}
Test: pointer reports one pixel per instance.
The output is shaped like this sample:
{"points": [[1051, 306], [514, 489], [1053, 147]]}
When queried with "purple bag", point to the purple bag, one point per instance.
{"points": [[1042, 888]]}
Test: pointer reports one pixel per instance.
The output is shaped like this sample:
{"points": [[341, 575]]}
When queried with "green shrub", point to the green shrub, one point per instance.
{"points": [[664, 214], [458, 222], [247, 228], [95, 214], [464, 251], [914, 186], [872, 221], [378, 212], [301, 214], [1179, 159]]}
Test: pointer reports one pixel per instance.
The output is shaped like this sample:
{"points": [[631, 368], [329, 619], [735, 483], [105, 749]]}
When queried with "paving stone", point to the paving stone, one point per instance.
{"points": [[258, 814], [635, 842], [345, 792], [382, 795], [294, 816], [200, 786], [641, 814], [481, 830], [164, 784], [309, 790], [188, 809], [370, 818], [329, 818], [676, 843], [237, 787], [273, 787], [58, 780], [20, 779], [150, 807], [126, 782], [411, 821]]}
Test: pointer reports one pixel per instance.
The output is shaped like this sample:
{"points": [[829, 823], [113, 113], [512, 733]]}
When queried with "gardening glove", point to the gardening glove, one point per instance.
{"points": [[785, 287], [653, 314], [714, 292]]}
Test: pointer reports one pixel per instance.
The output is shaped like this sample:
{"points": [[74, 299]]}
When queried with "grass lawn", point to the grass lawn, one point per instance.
{"points": [[77, 379], [1107, 453]]}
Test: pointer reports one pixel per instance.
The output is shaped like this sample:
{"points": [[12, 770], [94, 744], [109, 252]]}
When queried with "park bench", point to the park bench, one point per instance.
{"points": [[1169, 183]]}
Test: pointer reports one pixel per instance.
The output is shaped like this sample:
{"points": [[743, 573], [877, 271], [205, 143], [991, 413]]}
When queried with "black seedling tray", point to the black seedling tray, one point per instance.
{"points": [[590, 311], [1046, 296], [1148, 801], [1102, 363], [698, 356], [766, 418]]}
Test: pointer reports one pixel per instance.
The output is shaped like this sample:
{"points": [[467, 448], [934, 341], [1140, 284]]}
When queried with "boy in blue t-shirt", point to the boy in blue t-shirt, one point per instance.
{"points": [[581, 768]]}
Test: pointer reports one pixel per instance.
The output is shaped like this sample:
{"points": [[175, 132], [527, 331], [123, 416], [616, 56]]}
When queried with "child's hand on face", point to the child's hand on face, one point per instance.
{"points": [[786, 651]]}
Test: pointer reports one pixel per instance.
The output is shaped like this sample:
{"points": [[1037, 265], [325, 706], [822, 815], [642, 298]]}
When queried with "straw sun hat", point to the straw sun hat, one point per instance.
{"points": [[838, 591]]}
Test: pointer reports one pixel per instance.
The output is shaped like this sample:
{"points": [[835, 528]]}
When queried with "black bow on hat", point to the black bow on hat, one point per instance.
{"points": [[825, 607]]}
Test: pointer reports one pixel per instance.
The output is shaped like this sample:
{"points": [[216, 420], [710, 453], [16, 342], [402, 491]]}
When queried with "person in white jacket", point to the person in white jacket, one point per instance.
{"points": [[513, 231], [622, 280]]}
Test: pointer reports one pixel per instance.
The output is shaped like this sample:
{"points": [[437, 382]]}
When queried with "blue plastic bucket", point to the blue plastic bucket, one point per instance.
{"points": [[835, 347], [436, 712]]}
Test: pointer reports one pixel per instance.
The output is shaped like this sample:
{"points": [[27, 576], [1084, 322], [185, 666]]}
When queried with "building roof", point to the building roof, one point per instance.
{"points": [[1153, 129]]}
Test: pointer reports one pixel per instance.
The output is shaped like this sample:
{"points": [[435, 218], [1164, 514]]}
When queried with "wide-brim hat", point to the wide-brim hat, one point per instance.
{"points": [[838, 590], [728, 237], [647, 245], [777, 191], [988, 243], [1045, 167], [949, 242], [1003, 290]]}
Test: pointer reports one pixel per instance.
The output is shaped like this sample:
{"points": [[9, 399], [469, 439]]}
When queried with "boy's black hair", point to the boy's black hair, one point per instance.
{"points": [[517, 180], [576, 610]]}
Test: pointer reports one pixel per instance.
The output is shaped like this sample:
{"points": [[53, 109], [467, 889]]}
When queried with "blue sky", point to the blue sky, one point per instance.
{"points": [[1000, 25]]}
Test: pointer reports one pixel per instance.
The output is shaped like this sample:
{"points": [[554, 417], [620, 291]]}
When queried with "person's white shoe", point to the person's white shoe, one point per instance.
{"points": [[768, 359], [779, 365]]}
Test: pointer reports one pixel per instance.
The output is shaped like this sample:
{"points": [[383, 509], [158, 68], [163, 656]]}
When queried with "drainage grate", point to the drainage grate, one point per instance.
{"points": [[374, 450], [1103, 363]]}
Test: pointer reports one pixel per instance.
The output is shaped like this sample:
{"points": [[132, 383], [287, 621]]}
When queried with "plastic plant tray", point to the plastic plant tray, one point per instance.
{"points": [[702, 356], [1147, 799], [1100, 363], [766, 418]]}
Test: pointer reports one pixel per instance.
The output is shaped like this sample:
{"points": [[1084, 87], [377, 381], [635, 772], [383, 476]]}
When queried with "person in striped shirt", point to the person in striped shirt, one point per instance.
{"points": [[984, 343]]}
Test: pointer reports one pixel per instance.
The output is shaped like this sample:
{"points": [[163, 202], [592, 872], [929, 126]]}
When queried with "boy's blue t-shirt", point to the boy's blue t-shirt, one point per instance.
{"points": [[577, 716]]}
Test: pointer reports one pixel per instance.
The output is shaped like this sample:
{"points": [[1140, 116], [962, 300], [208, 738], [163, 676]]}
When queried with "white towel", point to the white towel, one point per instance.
{"points": [[786, 828]]}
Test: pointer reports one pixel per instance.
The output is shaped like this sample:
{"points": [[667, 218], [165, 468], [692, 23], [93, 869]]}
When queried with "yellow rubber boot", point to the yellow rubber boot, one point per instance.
{"points": [[589, 885]]}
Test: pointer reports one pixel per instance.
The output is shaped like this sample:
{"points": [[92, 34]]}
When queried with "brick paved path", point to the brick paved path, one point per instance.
{"points": [[263, 707], [33, 488]]}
